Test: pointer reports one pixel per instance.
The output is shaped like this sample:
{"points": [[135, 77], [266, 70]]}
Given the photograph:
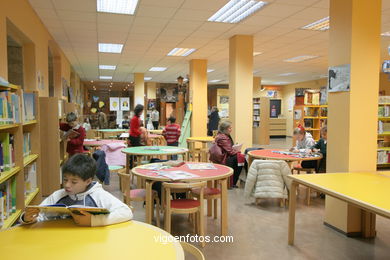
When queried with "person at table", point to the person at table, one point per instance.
{"points": [[223, 152], [86, 124], [213, 121], [125, 122], [304, 144], [102, 120], [144, 134], [75, 134], [155, 116], [320, 146], [172, 133], [135, 124], [80, 189]]}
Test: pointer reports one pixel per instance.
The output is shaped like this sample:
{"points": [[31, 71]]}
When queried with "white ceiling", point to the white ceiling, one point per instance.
{"points": [[161, 25]]}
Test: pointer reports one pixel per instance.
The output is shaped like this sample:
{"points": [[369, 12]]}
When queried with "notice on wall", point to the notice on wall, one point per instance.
{"points": [[125, 103], [339, 78], [114, 104]]}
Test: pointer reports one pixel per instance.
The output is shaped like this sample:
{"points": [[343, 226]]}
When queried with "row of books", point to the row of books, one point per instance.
{"points": [[383, 157], [256, 118], [10, 107], [26, 144], [384, 99], [256, 124], [312, 97], [384, 111], [7, 199], [7, 152], [30, 178], [383, 127]]}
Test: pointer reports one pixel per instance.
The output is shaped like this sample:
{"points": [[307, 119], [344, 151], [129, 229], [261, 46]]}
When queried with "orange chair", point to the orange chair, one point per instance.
{"points": [[185, 206], [130, 195]]}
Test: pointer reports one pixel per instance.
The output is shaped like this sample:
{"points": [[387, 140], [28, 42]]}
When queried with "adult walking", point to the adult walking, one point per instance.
{"points": [[213, 121], [155, 118]]}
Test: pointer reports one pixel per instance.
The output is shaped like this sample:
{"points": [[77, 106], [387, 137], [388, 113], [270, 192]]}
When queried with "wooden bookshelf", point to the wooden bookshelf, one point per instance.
{"points": [[51, 148], [312, 117], [383, 135], [261, 117], [16, 173]]}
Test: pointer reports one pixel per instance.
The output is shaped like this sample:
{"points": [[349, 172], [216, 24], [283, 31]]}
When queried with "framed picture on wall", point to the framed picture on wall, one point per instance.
{"points": [[339, 78]]}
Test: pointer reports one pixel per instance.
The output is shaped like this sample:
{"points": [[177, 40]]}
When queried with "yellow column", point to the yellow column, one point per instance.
{"points": [[256, 87], [241, 88], [139, 90], [352, 118], [198, 97]]}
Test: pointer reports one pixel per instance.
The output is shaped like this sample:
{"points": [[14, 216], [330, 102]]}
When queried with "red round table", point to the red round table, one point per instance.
{"points": [[268, 154], [221, 173], [101, 142]]}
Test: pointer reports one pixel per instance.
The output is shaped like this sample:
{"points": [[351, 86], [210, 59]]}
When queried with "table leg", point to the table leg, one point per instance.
{"points": [[148, 202], [224, 205], [209, 202], [291, 216], [250, 160]]}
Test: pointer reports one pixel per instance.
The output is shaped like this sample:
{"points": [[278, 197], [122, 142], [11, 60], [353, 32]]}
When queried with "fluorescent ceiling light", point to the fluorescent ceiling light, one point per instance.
{"points": [[157, 69], [387, 34], [280, 83], [287, 74], [256, 53], [107, 67], [117, 6], [105, 77], [147, 78], [301, 58], [181, 52], [209, 70], [320, 25], [215, 80], [110, 47], [236, 10]]}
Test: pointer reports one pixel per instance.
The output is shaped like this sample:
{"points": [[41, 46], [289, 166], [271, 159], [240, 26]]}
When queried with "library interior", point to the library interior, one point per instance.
{"points": [[194, 129]]}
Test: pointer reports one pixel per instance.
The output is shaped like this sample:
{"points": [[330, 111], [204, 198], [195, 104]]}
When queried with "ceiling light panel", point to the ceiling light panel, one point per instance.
{"points": [[117, 6], [301, 58], [158, 69], [105, 77], [287, 74], [107, 67], [236, 10], [257, 53], [386, 34], [147, 78], [215, 80], [181, 52], [210, 70], [320, 25], [110, 47]]}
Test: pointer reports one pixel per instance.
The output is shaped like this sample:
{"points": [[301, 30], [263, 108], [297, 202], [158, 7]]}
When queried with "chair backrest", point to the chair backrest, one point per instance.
{"points": [[124, 185], [192, 250], [171, 187]]}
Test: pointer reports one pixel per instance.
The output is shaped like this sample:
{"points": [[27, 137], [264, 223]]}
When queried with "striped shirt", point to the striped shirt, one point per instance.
{"points": [[172, 133]]}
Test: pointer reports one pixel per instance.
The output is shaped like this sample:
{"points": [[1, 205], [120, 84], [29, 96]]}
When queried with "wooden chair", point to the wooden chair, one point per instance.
{"points": [[130, 195], [192, 250], [210, 193], [196, 154], [185, 206], [306, 171]]}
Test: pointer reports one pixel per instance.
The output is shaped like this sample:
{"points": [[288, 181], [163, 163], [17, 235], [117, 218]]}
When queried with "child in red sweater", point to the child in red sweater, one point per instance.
{"points": [[171, 133], [75, 134]]}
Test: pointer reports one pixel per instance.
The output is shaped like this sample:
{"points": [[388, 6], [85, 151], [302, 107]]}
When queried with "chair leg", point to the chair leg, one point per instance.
{"points": [[308, 191], [157, 211], [215, 209], [201, 228], [167, 220], [195, 216]]}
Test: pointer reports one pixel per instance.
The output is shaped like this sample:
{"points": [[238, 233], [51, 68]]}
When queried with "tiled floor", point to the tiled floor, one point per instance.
{"points": [[260, 232]]}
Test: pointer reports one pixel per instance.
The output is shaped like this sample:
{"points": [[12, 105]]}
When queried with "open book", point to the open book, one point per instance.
{"points": [[237, 147], [71, 134], [63, 209], [177, 175]]}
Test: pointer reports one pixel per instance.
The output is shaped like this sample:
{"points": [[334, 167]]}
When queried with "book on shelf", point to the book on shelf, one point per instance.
{"points": [[256, 106], [383, 157], [384, 111], [30, 178], [384, 99], [28, 106], [26, 144], [7, 199], [383, 127], [9, 108], [7, 152], [256, 124], [312, 97], [308, 123], [324, 112], [311, 111]]}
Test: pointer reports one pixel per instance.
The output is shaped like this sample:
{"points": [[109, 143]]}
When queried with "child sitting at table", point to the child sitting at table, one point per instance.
{"points": [[320, 146], [80, 189], [172, 133], [304, 143], [144, 134]]}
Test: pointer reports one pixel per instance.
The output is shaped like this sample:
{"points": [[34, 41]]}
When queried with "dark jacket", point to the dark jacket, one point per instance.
{"points": [[213, 121], [321, 144], [222, 149], [102, 171], [74, 145]]}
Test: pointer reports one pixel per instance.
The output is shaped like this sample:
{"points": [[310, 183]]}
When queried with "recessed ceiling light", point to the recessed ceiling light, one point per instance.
{"points": [[257, 53], [158, 69], [215, 80], [320, 25], [117, 6], [300, 58], [110, 47], [287, 74], [91, 81], [147, 78], [181, 52], [236, 10], [105, 77], [107, 67], [209, 70], [387, 34]]}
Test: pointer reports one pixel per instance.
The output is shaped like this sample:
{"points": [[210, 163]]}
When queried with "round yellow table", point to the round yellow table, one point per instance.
{"points": [[62, 239]]}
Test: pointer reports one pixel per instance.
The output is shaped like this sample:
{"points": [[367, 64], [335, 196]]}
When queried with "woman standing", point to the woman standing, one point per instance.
{"points": [[213, 121], [135, 125]]}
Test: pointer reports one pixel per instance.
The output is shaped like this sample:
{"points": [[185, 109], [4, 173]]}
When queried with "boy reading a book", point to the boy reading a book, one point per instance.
{"points": [[80, 189]]}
